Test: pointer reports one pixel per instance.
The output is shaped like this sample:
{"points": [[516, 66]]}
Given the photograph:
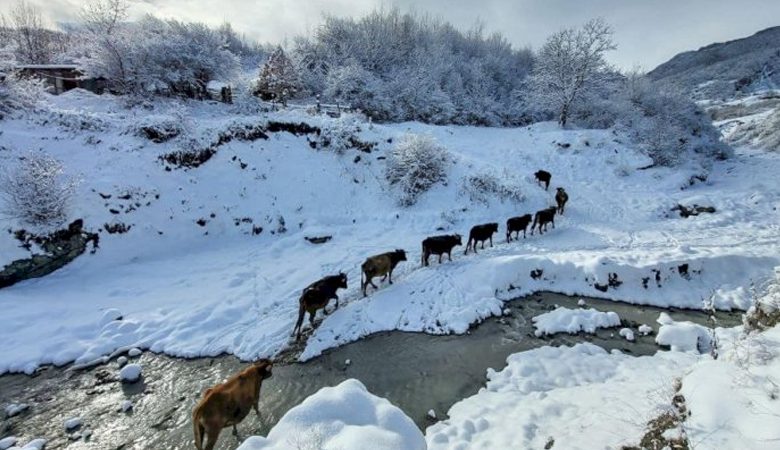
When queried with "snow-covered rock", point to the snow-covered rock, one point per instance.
{"points": [[581, 302], [573, 321], [121, 361], [683, 336], [35, 444], [627, 333], [130, 373], [14, 409], [344, 417], [72, 423], [7, 442], [645, 329], [125, 406], [134, 352], [432, 414]]}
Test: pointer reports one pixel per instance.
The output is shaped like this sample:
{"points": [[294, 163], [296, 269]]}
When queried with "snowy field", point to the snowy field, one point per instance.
{"points": [[192, 290]]}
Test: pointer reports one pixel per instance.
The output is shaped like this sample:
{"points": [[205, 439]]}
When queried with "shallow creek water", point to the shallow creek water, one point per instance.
{"points": [[415, 371]]}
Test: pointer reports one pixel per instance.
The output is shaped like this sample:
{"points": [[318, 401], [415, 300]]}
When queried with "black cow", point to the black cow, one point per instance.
{"points": [[316, 296], [543, 176], [516, 224], [542, 218], [480, 233], [439, 245]]}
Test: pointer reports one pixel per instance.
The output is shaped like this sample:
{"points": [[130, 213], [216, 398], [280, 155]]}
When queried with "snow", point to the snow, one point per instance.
{"points": [[432, 414], [130, 373], [72, 423], [7, 442], [345, 417], [126, 406], [121, 361], [581, 302], [627, 333], [683, 336], [645, 329], [35, 444], [576, 395], [188, 290], [15, 409], [573, 321], [134, 352]]}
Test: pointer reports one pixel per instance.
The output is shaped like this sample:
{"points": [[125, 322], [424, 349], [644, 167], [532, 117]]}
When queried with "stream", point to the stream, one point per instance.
{"points": [[415, 371]]}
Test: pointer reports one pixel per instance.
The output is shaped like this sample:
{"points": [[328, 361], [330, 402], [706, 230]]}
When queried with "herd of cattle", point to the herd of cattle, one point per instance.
{"points": [[228, 403]]}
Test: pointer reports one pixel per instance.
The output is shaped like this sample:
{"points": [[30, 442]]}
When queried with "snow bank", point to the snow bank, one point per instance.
{"points": [[733, 400], [572, 321], [683, 336], [576, 396], [344, 417]]}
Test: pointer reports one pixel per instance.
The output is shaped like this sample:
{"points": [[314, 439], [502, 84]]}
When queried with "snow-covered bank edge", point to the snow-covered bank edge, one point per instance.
{"points": [[477, 290]]}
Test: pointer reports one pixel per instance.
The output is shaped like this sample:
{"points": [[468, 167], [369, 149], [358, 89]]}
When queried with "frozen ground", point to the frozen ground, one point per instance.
{"points": [[192, 290]]}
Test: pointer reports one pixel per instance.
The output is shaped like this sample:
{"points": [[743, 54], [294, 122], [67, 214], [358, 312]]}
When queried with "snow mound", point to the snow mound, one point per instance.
{"points": [[15, 409], [7, 442], [72, 423], [627, 333], [683, 336], [572, 321], [572, 394], [35, 444], [130, 373], [344, 417]]}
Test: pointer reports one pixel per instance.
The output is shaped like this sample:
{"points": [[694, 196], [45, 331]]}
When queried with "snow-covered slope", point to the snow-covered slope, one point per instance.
{"points": [[727, 70], [193, 289]]}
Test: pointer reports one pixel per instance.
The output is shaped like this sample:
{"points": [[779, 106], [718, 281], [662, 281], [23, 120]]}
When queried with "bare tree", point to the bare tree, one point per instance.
{"points": [[102, 19], [32, 39], [570, 63], [102, 16]]}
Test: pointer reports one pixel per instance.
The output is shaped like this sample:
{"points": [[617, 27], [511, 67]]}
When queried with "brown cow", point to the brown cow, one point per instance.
{"points": [[377, 265], [561, 197], [227, 404]]}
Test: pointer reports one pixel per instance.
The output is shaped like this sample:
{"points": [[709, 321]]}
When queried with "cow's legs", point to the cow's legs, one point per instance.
{"points": [[212, 434]]}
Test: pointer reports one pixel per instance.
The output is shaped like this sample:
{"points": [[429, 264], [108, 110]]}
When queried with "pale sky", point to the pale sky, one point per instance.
{"points": [[648, 32]]}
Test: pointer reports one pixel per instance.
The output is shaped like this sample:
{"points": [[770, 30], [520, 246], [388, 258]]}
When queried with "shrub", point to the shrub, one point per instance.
{"points": [[37, 191], [760, 133], [416, 164], [765, 312], [338, 134], [16, 93], [481, 187]]}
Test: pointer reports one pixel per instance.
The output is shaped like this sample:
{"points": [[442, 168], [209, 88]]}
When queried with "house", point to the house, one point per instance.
{"points": [[62, 77]]}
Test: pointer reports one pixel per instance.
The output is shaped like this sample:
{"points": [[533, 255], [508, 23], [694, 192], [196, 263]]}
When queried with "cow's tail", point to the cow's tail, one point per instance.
{"points": [[198, 430]]}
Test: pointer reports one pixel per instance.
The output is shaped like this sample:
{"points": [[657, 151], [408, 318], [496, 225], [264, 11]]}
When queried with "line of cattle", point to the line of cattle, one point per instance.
{"points": [[227, 404]]}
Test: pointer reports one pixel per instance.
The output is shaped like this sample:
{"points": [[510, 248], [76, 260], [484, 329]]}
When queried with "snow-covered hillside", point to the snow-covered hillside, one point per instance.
{"points": [[191, 278]]}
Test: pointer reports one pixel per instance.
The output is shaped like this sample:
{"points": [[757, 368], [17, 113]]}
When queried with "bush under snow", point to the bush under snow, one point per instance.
{"points": [[37, 190], [486, 185], [415, 165]]}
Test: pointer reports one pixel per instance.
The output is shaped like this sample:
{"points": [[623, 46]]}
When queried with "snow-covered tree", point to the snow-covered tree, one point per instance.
{"points": [[16, 93], [152, 55], [278, 78], [415, 67], [32, 41], [569, 64], [37, 191]]}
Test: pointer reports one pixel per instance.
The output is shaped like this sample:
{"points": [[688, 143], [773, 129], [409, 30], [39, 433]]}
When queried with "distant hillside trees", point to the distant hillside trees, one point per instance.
{"points": [[396, 66], [278, 78], [151, 54], [25, 33]]}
